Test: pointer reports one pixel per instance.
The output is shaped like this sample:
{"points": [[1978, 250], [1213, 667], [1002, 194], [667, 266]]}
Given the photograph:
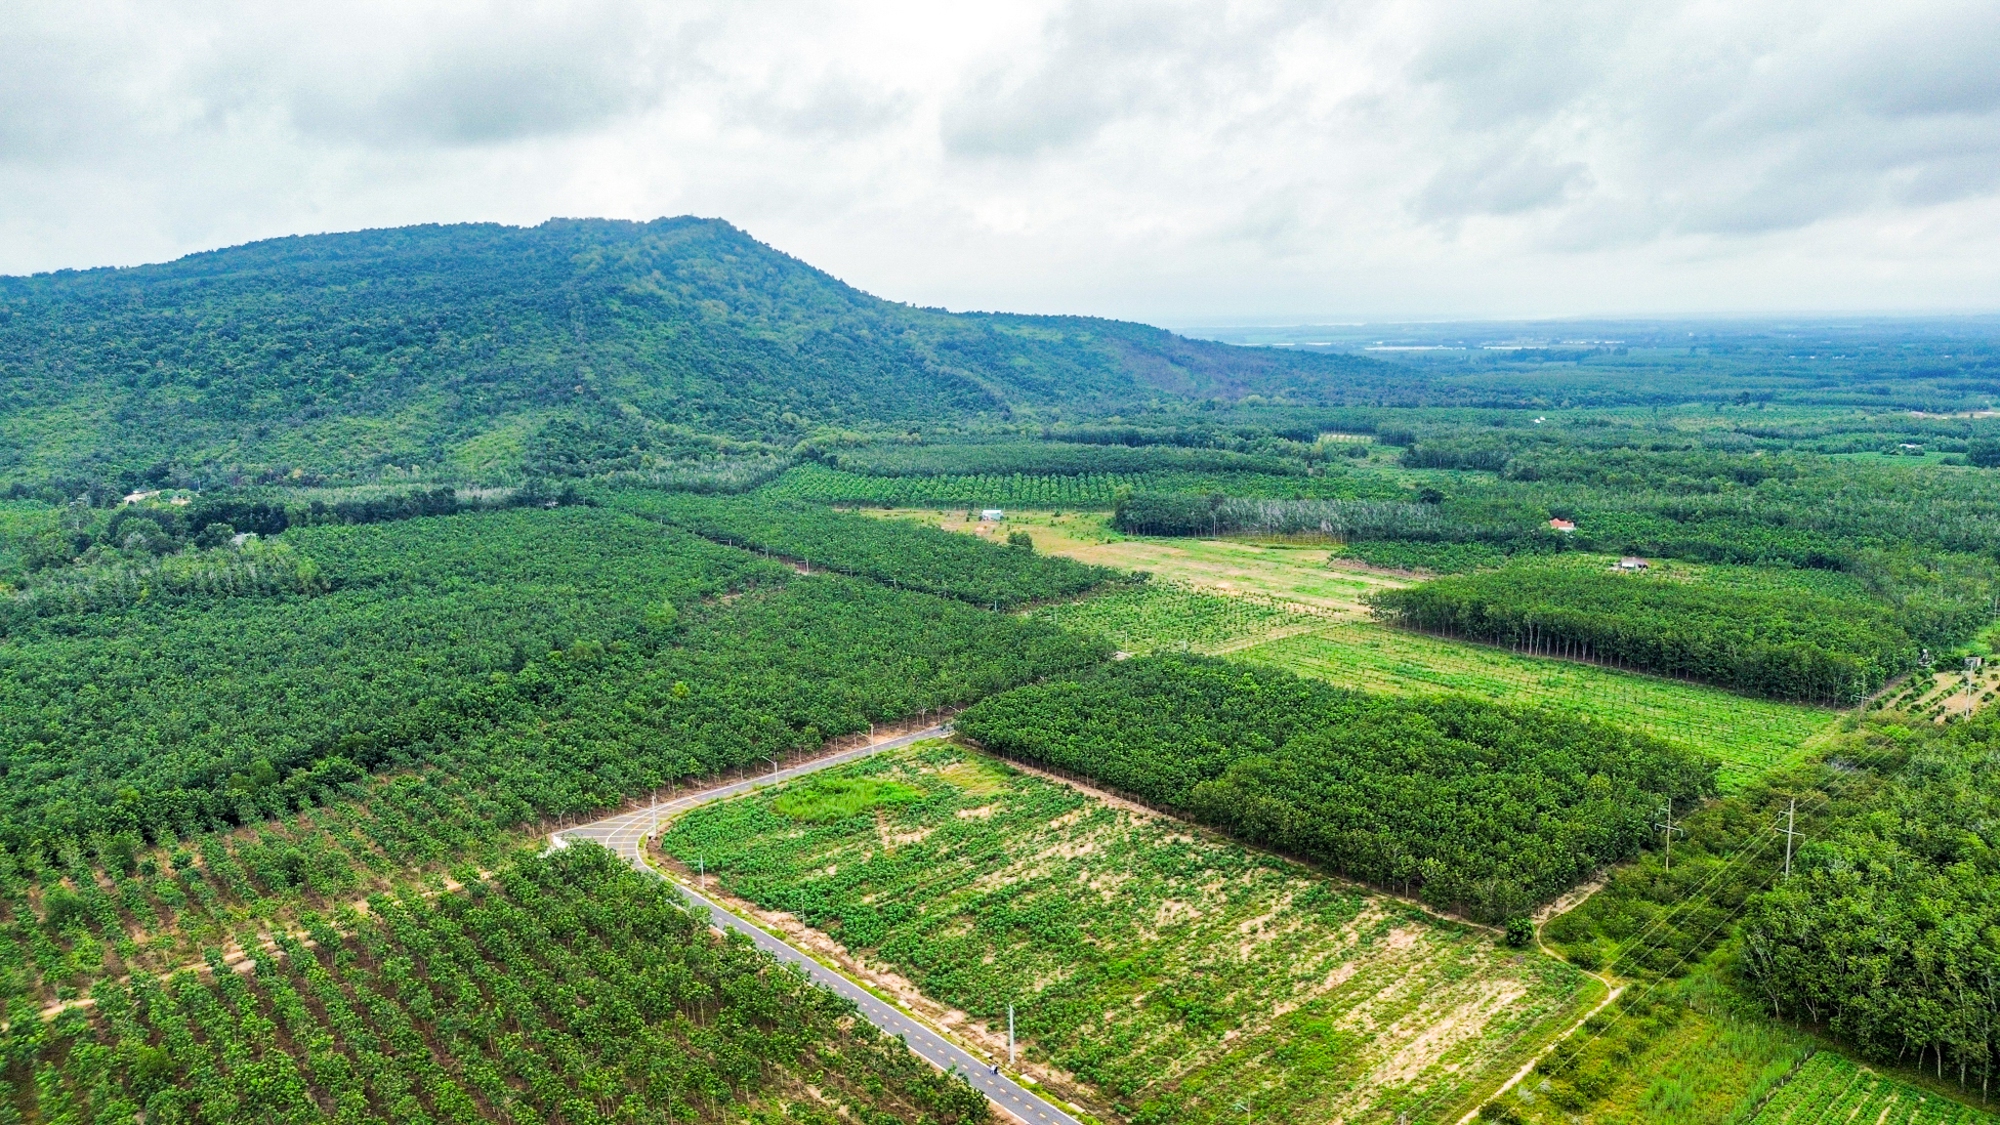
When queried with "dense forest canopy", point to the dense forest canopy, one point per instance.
{"points": [[1887, 931], [589, 652], [1741, 628]]}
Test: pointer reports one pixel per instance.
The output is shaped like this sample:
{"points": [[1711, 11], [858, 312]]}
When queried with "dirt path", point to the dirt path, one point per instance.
{"points": [[1576, 897]]}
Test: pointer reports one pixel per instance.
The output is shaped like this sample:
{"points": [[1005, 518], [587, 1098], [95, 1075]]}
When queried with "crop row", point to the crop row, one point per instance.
{"points": [[1157, 614], [1827, 1089], [1179, 979], [1748, 736]]}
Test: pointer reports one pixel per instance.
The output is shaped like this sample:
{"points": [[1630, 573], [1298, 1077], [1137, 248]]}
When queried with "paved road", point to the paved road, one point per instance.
{"points": [[623, 834]]}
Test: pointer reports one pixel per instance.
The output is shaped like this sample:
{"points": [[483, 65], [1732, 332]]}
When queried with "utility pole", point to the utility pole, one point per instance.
{"points": [[701, 871], [1791, 812], [1668, 829], [1010, 1037]]}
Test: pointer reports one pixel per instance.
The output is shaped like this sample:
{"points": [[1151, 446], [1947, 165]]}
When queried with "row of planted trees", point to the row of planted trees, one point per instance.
{"points": [[566, 989]]}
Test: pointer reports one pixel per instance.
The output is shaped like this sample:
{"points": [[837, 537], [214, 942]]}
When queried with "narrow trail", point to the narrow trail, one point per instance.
{"points": [[1613, 988], [625, 834]]}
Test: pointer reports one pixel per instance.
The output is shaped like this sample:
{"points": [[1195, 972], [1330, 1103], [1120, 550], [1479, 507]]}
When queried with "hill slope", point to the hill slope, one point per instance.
{"points": [[479, 346]]}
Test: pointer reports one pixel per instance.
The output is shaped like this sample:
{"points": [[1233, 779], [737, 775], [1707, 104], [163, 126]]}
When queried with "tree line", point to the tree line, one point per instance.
{"points": [[1473, 807], [895, 552], [1887, 933], [1771, 638]]}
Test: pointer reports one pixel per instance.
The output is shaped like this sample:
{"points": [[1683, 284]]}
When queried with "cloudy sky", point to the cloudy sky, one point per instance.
{"points": [[1176, 163]]}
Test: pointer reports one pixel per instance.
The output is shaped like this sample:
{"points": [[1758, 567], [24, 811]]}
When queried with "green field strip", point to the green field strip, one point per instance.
{"points": [[1830, 1090], [1749, 736]]}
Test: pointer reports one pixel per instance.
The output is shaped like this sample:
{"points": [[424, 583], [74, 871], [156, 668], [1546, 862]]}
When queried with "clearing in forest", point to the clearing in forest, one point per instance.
{"points": [[1167, 615], [1228, 566], [1157, 972], [1748, 736]]}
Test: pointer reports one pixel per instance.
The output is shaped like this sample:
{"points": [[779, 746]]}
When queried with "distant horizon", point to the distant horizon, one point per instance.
{"points": [[1195, 326], [1396, 160]]}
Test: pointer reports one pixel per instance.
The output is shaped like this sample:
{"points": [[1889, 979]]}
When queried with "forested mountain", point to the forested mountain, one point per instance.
{"points": [[487, 350]]}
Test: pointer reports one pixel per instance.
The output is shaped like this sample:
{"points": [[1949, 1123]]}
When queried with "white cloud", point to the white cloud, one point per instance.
{"points": [[1168, 161]]}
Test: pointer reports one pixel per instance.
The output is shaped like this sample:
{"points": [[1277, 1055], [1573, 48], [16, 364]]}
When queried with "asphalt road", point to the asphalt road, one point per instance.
{"points": [[624, 833]]}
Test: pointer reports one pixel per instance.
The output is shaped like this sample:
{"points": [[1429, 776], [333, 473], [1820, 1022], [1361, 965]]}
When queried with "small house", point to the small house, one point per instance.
{"points": [[1567, 527], [992, 515], [1633, 562]]}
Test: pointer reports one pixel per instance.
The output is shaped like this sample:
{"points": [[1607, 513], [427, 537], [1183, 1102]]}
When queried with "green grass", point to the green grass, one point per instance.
{"points": [[837, 798], [1682, 1053], [1747, 735], [1161, 615], [1159, 974], [1829, 1088]]}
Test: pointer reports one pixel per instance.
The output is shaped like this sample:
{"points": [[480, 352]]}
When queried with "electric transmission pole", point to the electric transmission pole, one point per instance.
{"points": [[1668, 829], [1791, 811], [1010, 1037]]}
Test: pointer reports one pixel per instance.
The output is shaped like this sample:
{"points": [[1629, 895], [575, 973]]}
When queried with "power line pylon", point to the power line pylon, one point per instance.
{"points": [[1791, 813], [1668, 828]]}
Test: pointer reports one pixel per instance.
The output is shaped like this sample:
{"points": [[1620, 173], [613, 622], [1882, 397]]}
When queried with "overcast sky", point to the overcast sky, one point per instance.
{"points": [[1175, 163]]}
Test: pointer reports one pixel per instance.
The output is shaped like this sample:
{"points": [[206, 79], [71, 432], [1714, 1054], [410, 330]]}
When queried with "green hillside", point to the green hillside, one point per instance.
{"points": [[478, 351]]}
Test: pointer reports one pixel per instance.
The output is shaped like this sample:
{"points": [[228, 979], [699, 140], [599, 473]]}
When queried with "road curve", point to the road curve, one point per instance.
{"points": [[624, 834]]}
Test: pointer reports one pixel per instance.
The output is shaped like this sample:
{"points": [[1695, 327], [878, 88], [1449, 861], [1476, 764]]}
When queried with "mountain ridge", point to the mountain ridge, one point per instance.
{"points": [[455, 346]]}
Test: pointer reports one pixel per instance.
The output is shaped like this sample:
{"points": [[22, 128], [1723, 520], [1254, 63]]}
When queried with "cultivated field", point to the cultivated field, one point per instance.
{"points": [[1829, 1089], [1158, 974], [1748, 735]]}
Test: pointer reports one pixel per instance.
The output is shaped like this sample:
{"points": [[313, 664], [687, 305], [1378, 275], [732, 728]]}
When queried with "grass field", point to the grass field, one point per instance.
{"points": [[1830, 1089], [1747, 735], [1166, 615], [1158, 974], [1679, 1053], [1294, 573]]}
